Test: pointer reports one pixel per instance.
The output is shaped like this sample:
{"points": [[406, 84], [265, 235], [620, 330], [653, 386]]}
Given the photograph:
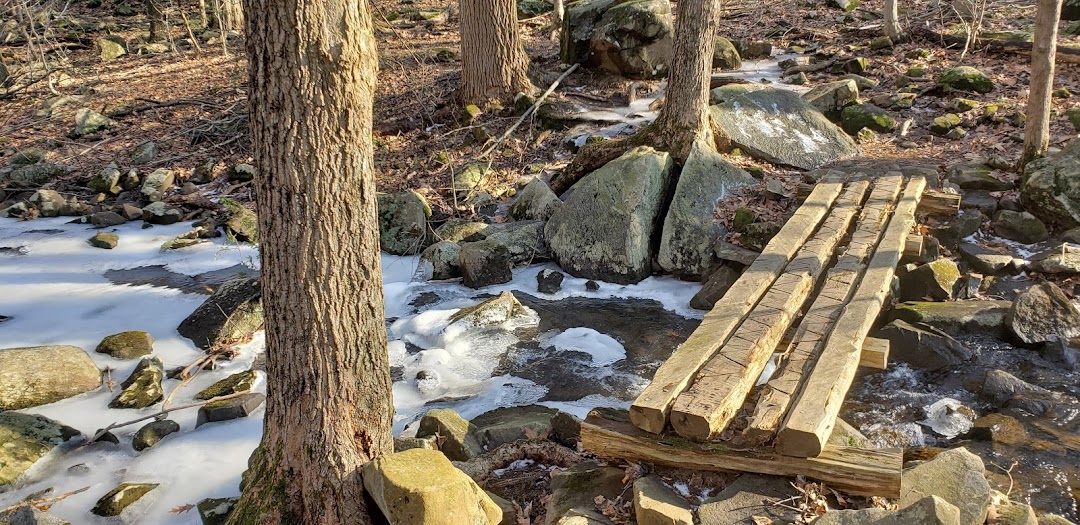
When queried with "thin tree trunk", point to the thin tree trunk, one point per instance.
{"points": [[312, 68], [493, 62], [559, 8], [1037, 127], [157, 19], [685, 114], [224, 15], [892, 22]]}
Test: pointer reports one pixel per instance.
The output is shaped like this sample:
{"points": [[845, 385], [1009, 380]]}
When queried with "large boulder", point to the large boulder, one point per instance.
{"points": [[691, 227], [632, 38], [604, 230], [440, 261], [959, 317], [38, 375], [964, 78], [955, 476], [422, 487], [483, 263], [508, 424], [524, 240], [1041, 313], [402, 222], [1051, 187], [1020, 226], [232, 314], [725, 54], [457, 438], [778, 126], [27, 438], [923, 346]]}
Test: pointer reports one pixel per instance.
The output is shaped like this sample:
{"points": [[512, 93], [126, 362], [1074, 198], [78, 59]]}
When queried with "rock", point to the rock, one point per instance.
{"points": [[830, 98], [856, 117], [923, 346], [964, 78], [228, 409], [484, 263], [845, 435], [954, 318], [402, 222], [778, 126], [725, 56], [1053, 519], [151, 433], [866, 516], [108, 181], [944, 124], [999, 386], [39, 375], [88, 121], [422, 487], [494, 311], [26, 438], [531, 8], [690, 227], [144, 153], [143, 387], [714, 288], [592, 285], [161, 213], [998, 428], [48, 203], [508, 424], [725, 251], [933, 281], [215, 511], [615, 246], [440, 261], [35, 174], [29, 515], [983, 260], [743, 217], [579, 485], [106, 219], [116, 500], [748, 496], [524, 240], [242, 224], [759, 234], [156, 184], [975, 176], [955, 476], [856, 65], [401, 444], [242, 173], [131, 213], [104, 240], [1016, 514], [461, 230], [1021, 227], [1043, 312], [111, 47], [630, 38], [232, 314], [656, 504], [536, 201], [1051, 187], [930, 510], [238, 382], [456, 436], [549, 281], [566, 430], [959, 228], [1062, 351]]}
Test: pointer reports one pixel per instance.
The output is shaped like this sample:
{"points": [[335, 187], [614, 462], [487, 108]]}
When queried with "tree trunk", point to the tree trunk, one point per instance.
{"points": [[312, 75], [1037, 127], [559, 8], [156, 18], [685, 114], [224, 15], [493, 62], [892, 22]]}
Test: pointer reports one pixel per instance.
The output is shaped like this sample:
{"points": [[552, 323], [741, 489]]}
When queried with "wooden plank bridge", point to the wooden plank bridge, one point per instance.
{"points": [[805, 305]]}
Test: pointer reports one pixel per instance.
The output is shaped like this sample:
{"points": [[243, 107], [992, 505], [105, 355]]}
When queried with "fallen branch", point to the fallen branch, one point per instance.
{"points": [[37, 502], [529, 111], [165, 411], [1064, 55], [540, 451], [158, 105]]}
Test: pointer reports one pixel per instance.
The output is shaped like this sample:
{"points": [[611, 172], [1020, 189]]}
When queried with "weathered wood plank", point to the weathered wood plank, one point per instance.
{"points": [[722, 384], [651, 409], [813, 415], [875, 353], [779, 392], [863, 472], [936, 202]]}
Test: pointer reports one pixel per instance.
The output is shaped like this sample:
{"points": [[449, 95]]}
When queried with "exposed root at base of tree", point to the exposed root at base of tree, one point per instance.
{"points": [[540, 451]]}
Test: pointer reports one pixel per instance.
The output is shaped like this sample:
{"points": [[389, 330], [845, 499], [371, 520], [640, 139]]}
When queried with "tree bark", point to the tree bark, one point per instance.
{"points": [[557, 12], [157, 19], [225, 15], [1037, 128], [892, 22], [312, 68], [493, 62], [685, 114]]}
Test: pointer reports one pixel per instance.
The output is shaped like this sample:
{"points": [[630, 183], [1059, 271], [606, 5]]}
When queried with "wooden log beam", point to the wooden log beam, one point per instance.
{"points": [[722, 384], [936, 202], [650, 410], [813, 415], [875, 353], [861, 472], [809, 339]]}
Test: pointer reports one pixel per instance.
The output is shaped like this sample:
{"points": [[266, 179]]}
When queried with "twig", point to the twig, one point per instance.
{"points": [[36, 502], [191, 35], [157, 105], [164, 411], [529, 111]]}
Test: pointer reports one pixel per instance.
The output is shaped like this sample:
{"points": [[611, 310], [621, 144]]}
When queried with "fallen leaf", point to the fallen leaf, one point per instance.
{"points": [[180, 509]]}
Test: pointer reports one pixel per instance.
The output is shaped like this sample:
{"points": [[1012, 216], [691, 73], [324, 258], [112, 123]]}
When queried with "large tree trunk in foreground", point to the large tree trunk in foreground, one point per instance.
{"points": [[493, 62], [312, 70], [1037, 128], [892, 22], [685, 115]]}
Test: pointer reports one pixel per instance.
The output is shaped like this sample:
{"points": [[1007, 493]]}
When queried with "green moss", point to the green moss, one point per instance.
{"points": [[243, 224], [127, 345], [744, 217], [240, 382], [858, 116], [965, 78], [944, 124]]}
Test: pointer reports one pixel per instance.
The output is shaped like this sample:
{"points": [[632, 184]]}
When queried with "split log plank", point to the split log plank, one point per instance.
{"points": [[875, 353], [936, 202], [721, 386], [857, 471], [650, 410], [813, 415]]}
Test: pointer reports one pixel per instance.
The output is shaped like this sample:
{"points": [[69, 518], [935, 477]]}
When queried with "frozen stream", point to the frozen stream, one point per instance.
{"points": [[53, 288]]}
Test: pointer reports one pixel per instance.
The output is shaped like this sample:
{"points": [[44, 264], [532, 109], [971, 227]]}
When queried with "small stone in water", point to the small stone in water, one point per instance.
{"points": [[592, 286], [104, 240], [549, 281]]}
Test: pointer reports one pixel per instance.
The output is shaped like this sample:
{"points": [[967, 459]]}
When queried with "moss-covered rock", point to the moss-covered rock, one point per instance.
{"points": [[440, 261], [152, 433], [933, 281], [535, 202], [758, 234], [27, 438], [127, 345], [402, 222], [725, 56], [831, 98], [143, 387], [88, 121], [239, 382], [108, 181], [242, 224], [232, 314], [944, 124], [111, 47], [215, 511], [965, 78], [858, 116], [104, 240], [955, 317], [38, 375], [227, 409], [116, 500]]}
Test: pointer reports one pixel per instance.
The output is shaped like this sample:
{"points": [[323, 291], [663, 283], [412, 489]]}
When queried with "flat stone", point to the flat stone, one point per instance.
{"points": [[656, 504], [116, 500], [1063, 259], [955, 317], [999, 428], [1021, 227], [985, 261], [127, 345], [401, 444], [748, 496], [236, 383], [725, 251], [39, 375], [923, 346], [27, 438], [228, 409], [508, 424], [106, 219], [461, 230]]}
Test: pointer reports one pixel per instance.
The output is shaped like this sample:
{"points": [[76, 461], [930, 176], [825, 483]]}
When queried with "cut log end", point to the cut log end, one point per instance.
{"points": [[800, 443], [649, 419], [691, 426]]}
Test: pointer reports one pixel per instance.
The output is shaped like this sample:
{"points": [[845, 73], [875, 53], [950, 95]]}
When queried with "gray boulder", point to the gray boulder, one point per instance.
{"points": [[1062, 259], [524, 240], [933, 281], [461, 230], [536, 201], [440, 261], [923, 346], [549, 281], [725, 54], [228, 409], [778, 126], [1020, 226], [632, 38], [1051, 187], [484, 263], [690, 227], [127, 345], [38, 375], [955, 476], [604, 230], [402, 222], [975, 176], [106, 219], [931, 510], [1000, 386], [108, 181], [983, 260], [144, 153], [508, 424], [88, 121], [48, 203], [748, 496], [832, 97], [35, 174], [1016, 514], [232, 314], [714, 288], [27, 438], [964, 78], [957, 229], [1041, 313], [161, 213]]}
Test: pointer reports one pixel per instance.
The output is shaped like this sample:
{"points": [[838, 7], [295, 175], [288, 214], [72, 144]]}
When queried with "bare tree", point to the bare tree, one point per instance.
{"points": [[312, 66], [493, 61], [1037, 127], [892, 22], [224, 15], [157, 19]]}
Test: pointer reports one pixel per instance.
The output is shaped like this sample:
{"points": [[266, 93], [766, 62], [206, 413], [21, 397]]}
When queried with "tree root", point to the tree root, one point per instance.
{"points": [[540, 451]]}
